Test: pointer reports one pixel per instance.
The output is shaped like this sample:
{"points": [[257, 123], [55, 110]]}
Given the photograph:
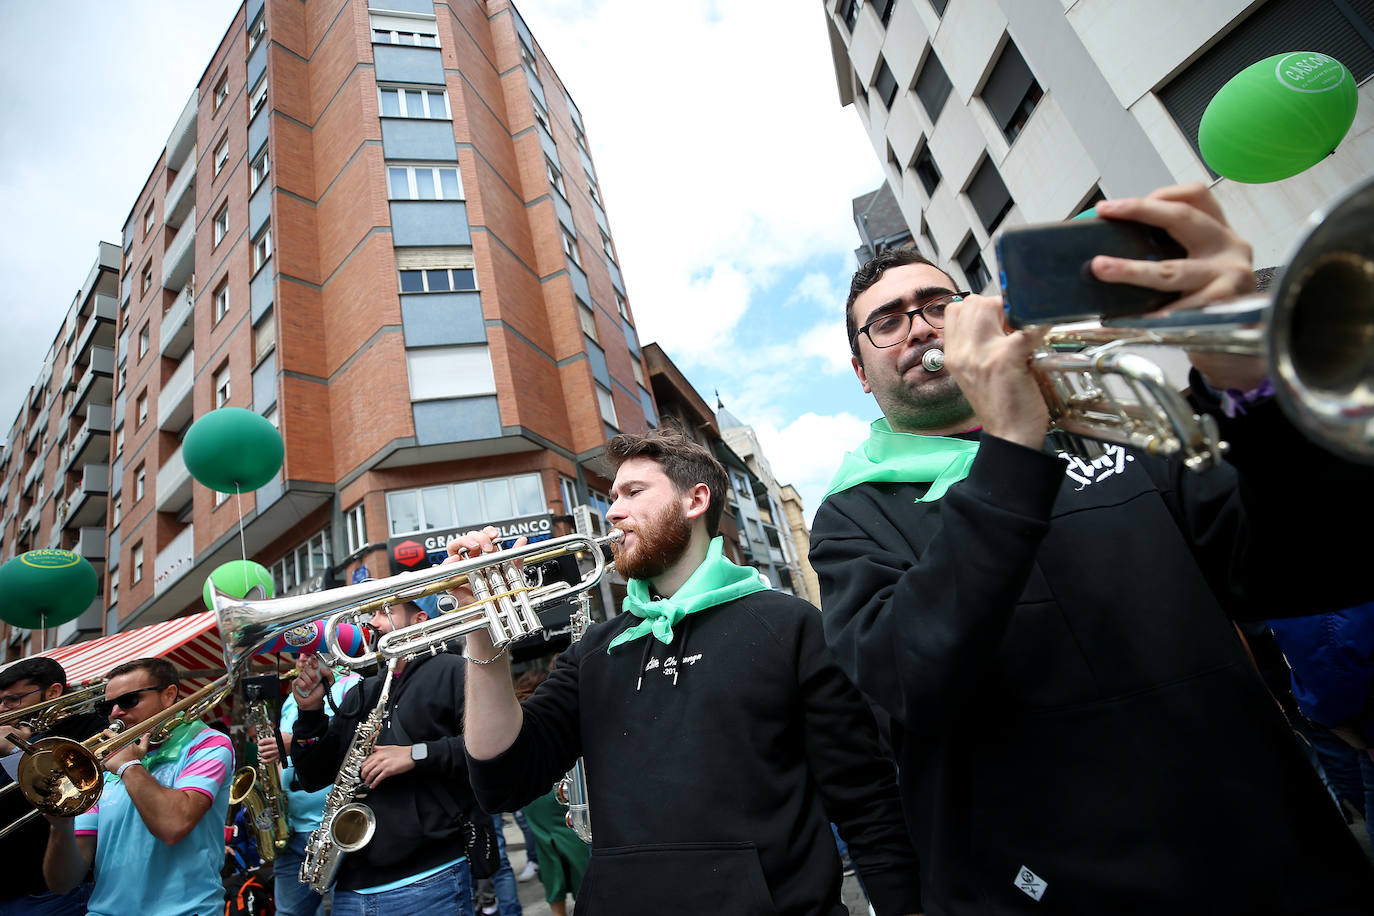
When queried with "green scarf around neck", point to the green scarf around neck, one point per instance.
{"points": [[172, 748], [889, 457], [714, 582]]}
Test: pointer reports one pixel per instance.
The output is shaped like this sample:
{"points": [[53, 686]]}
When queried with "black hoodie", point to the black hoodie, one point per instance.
{"points": [[714, 767], [419, 814]]}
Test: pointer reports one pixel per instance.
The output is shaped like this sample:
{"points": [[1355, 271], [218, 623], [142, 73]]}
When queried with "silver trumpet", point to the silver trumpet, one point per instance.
{"points": [[506, 603], [1316, 334]]}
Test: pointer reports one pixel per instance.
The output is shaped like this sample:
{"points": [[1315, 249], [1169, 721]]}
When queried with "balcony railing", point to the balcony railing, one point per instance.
{"points": [[173, 483], [179, 202], [174, 401], [179, 261], [175, 335]]}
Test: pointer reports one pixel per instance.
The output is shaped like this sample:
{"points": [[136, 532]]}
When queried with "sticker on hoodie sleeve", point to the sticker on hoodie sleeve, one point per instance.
{"points": [[1031, 884]]}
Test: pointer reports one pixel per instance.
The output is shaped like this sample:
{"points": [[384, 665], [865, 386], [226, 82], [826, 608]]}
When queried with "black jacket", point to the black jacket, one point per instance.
{"points": [[420, 813], [714, 766], [22, 851], [1071, 705]]}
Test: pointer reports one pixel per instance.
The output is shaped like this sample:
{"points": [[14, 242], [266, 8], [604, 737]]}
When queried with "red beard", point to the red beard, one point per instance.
{"points": [[660, 541]]}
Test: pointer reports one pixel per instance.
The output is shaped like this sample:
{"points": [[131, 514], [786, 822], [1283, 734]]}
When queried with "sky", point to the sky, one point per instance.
{"points": [[726, 162]]}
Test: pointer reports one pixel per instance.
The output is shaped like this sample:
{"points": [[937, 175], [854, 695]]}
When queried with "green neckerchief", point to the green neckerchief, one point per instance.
{"points": [[888, 457], [714, 582], [172, 748]]}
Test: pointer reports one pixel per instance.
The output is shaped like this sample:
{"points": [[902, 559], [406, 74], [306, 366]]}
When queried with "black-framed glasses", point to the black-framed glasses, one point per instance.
{"points": [[125, 701], [12, 700], [892, 328]]}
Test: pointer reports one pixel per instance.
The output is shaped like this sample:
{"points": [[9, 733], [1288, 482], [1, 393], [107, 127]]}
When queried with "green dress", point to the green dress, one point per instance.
{"points": [[563, 857]]}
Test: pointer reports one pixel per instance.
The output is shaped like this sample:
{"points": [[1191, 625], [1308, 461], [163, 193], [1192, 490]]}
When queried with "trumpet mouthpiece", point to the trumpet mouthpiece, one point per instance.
{"points": [[933, 360]]}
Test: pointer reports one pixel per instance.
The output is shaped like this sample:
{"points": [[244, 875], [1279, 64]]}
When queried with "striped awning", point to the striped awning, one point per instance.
{"points": [[191, 643]]}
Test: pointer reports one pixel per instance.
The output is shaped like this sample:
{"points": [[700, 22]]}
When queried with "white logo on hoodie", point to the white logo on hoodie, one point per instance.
{"points": [[1086, 473]]}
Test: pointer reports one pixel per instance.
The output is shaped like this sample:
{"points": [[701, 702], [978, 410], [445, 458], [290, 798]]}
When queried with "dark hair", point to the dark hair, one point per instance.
{"points": [[684, 461], [525, 683], [871, 272], [163, 671], [39, 669]]}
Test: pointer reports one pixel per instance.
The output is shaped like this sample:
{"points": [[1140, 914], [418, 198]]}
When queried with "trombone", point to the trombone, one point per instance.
{"points": [[41, 716]]}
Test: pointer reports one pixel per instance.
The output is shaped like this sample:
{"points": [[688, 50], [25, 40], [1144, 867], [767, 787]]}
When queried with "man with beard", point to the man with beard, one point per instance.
{"points": [[719, 737], [1078, 727]]}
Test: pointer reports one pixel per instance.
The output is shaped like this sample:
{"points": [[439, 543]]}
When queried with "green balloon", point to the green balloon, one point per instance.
{"points": [[1278, 117], [238, 578], [232, 449], [46, 588]]}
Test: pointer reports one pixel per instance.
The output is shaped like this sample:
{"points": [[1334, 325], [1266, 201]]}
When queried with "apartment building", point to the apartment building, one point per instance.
{"points": [[994, 113], [378, 224]]}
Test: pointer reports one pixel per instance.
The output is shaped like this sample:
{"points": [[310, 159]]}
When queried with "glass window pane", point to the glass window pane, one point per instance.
{"points": [[379, 35], [391, 105], [496, 500], [424, 184], [437, 106], [319, 554], [438, 509], [400, 183], [529, 495], [404, 511], [464, 279], [438, 280], [412, 281], [448, 181], [468, 503], [415, 103]]}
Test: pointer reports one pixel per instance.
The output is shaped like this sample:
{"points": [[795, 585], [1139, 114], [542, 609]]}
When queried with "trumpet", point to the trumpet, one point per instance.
{"points": [[505, 603], [42, 716], [1316, 334]]}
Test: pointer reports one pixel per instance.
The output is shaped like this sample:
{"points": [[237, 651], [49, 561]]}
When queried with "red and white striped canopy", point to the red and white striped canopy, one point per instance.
{"points": [[191, 643]]}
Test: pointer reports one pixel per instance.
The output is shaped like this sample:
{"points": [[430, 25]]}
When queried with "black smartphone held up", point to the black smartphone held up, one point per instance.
{"points": [[1047, 276]]}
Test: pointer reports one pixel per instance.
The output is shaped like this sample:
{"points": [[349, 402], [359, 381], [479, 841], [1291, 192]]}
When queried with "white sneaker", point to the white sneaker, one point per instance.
{"points": [[528, 873]]}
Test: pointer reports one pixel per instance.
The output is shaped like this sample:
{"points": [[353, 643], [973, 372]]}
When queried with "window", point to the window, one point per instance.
{"points": [[221, 224], [414, 103], [137, 562], [119, 441], [639, 373], [568, 490], [1011, 92], [450, 372], [989, 196], [221, 90], [143, 339], [114, 588], [147, 279], [884, 9], [926, 170], [222, 155], [118, 512], [932, 86], [302, 564], [886, 84], [258, 97], [355, 529], [555, 176], [441, 280], [423, 182], [588, 319], [260, 169], [264, 338], [581, 137], [398, 37], [140, 481], [142, 409], [527, 56], [256, 33], [148, 220], [541, 115], [594, 191], [621, 305], [470, 502], [606, 247], [607, 404], [849, 13], [570, 245], [262, 248], [222, 387], [971, 263]]}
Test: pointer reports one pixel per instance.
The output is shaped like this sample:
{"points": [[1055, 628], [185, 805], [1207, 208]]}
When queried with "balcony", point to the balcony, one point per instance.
{"points": [[181, 197], [173, 483], [179, 261], [30, 521], [174, 338], [182, 141], [91, 444], [98, 330], [86, 505], [174, 401], [96, 385], [90, 543], [175, 560]]}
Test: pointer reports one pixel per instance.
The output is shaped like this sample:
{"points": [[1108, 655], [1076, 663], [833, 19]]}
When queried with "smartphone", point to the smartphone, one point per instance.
{"points": [[1047, 277]]}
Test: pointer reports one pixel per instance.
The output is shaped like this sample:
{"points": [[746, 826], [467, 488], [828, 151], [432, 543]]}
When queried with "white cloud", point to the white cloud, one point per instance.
{"points": [[806, 451]]}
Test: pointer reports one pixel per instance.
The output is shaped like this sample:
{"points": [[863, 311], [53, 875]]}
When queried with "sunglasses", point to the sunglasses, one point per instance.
{"points": [[125, 701]]}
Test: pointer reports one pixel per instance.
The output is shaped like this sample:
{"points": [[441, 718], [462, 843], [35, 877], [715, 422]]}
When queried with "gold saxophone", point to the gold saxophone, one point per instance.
{"points": [[259, 790], [347, 824]]}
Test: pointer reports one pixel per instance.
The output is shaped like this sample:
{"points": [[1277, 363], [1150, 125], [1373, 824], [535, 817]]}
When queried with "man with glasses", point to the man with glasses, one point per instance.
{"points": [[22, 685], [1077, 725], [156, 837]]}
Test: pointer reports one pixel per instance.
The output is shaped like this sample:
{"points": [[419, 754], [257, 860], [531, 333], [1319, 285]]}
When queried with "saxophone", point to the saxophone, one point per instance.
{"points": [[259, 790], [572, 789], [347, 824]]}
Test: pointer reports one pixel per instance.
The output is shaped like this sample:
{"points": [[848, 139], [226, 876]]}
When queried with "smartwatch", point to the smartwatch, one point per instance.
{"points": [[419, 752]]}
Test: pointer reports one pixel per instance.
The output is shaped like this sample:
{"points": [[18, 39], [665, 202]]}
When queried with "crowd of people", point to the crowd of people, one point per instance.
{"points": [[1030, 689]]}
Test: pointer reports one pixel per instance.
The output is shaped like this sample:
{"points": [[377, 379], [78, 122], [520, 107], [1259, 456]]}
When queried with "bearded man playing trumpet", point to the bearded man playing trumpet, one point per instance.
{"points": [[156, 836]]}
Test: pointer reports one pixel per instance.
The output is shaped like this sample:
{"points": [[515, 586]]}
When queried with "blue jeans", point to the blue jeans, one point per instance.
{"points": [[448, 892], [293, 898], [507, 897], [48, 904]]}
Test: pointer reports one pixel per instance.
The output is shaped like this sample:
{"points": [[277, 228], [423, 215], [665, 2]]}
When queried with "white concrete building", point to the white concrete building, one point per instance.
{"points": [[993, 113]]}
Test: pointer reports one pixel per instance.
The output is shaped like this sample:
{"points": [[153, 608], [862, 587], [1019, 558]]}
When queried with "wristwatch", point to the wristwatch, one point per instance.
{"points": [[419, 752]]}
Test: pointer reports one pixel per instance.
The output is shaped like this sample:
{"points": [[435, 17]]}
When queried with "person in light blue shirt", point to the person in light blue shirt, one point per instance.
{"points": [[156, 836], [303, 809]]}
